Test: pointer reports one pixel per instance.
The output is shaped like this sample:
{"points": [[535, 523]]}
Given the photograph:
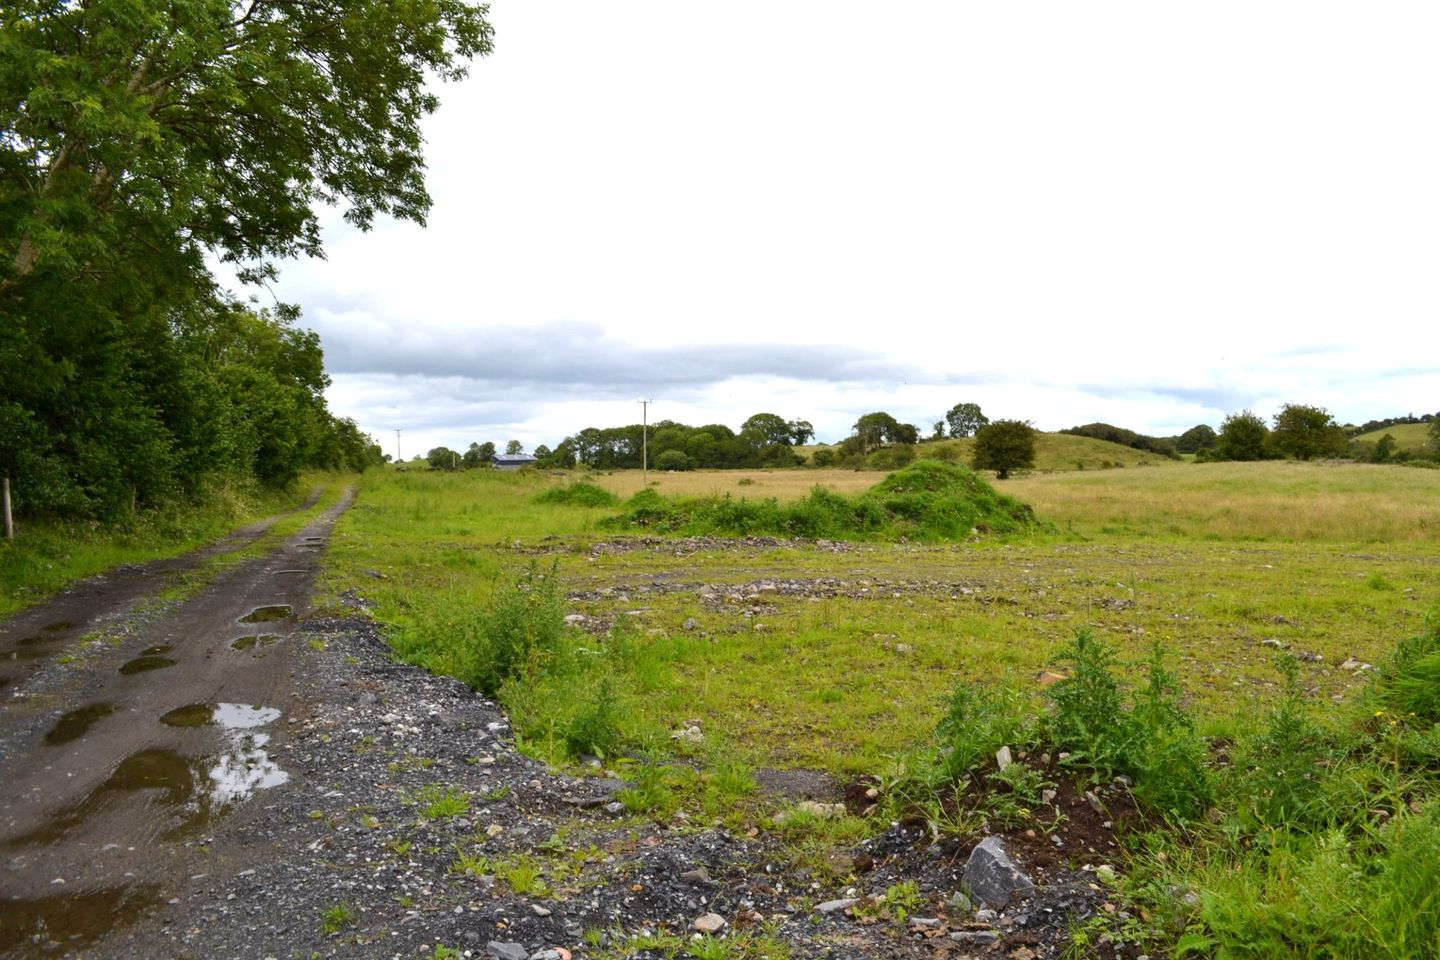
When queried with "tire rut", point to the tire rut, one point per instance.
{"points": [[121, 761]]}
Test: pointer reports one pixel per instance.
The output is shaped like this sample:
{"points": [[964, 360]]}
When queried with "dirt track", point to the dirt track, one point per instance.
{"points": [[113, 748]]}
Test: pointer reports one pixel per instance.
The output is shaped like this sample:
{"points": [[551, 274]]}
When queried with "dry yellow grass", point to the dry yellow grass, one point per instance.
{"points": [[781, 484], [1331, 502], [1326, 502]]}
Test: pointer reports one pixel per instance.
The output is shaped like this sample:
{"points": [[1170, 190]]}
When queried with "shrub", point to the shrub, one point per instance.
{"points": [[1280, 769], [927, 501], [522, 629], [672, 460], [580, 494], [1003, 446]]}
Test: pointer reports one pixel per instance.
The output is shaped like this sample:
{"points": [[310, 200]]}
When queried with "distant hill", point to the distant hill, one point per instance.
{"points": [[1053, 452], [1408, 436]]}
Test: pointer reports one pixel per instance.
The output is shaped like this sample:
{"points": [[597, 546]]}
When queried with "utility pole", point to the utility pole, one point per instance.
{"points": [[397, 445], [645, 442]]}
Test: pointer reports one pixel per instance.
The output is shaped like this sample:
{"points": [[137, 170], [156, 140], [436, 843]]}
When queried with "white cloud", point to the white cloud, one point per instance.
{"points": [[1143, 213]]}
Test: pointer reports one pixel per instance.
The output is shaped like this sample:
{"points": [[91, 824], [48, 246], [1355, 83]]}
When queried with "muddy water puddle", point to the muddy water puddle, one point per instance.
{"points": [[48, 926], [231, 716], [145, 664], [76, 723], [267, 614], [191, 790], [248, 643]]}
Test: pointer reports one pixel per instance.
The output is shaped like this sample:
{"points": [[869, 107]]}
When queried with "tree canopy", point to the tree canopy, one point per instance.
{"points": [[964, 419], [139, 138], [1002, 446], [1243, 436], [1305, 432]]}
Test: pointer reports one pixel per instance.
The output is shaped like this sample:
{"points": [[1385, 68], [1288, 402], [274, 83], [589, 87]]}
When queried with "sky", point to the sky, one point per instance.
{"points": [[1148, 214]]}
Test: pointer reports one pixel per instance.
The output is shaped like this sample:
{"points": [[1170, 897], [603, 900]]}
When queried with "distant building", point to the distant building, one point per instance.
{"points": [[511, 461]]}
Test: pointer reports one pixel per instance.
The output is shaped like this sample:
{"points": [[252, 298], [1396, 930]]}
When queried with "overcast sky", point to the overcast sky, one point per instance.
{"points": [[1151, 214]]}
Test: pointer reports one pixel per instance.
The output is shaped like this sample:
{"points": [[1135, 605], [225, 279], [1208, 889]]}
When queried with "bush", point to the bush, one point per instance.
{"points": [[1153, 740], [1003, 446], [672, 460], [928, 501], [523, 629], [579, 494]]}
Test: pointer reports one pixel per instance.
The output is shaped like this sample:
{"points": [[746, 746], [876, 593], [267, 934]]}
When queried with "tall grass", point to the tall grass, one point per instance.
{"points": [[46, 556]]}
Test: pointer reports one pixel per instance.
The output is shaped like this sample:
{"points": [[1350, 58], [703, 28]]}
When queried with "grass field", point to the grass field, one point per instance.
{"points": [[1053, 452], [1408, 436], [839, 657], [1209, 559]]}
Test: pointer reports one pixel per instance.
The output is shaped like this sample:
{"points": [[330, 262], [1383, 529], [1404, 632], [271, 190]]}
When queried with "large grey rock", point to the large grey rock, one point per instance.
{"points": [[991, 876], [506, 951]]}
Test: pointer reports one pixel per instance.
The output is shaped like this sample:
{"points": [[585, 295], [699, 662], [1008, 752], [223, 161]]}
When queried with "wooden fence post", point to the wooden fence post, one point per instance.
{"points": [[5, 496]]}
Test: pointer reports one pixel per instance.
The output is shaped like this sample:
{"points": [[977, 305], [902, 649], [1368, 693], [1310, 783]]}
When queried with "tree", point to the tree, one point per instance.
{"points": [[1384, 449], [1434, 434], [1243, 436], [442, 458], [183, 126], [879, 427], [965, 418], [479, 455], [1304, 432], [1199, 437], [1002, 446], [672, 460], [801, 432], [514, 448]]}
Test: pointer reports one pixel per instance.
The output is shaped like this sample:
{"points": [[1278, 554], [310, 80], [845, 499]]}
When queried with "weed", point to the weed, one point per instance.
{"points": [[523, 876], [439, 803], [579, 494], [471, 864], [335, 916], [521, 631]]}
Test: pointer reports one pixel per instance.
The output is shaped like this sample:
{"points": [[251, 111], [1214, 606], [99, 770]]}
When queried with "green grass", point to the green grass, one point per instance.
{"points": [[46, 557], [848, 660], [1408, 436]]}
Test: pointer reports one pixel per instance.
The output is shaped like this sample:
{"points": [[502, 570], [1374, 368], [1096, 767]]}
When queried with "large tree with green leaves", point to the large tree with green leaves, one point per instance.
{"points": [[1305, 432], [964, 419], [142, 128], [1002, 446], [1243, 436], [138, 138]]}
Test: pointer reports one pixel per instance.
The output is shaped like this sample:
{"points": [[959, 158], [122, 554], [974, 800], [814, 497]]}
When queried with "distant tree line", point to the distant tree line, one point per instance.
{"points": [[1163, 446]]}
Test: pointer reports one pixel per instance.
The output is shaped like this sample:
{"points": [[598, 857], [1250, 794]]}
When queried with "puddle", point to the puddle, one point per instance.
{"points": [[5, 682], [31, 648], [192, 790], [231, 716], [73, 725], [57, 627], [278, 573], [245, 643], [68, 921], [156, 650], [142, 664], [268, 614]]}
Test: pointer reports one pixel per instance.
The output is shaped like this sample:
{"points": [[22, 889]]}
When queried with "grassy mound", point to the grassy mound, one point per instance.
{"points": [[579, 494], [927, 501]]}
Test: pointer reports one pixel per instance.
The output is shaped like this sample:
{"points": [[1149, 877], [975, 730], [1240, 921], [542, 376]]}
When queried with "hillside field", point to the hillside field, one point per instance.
{"points": [[1408, 436]]}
